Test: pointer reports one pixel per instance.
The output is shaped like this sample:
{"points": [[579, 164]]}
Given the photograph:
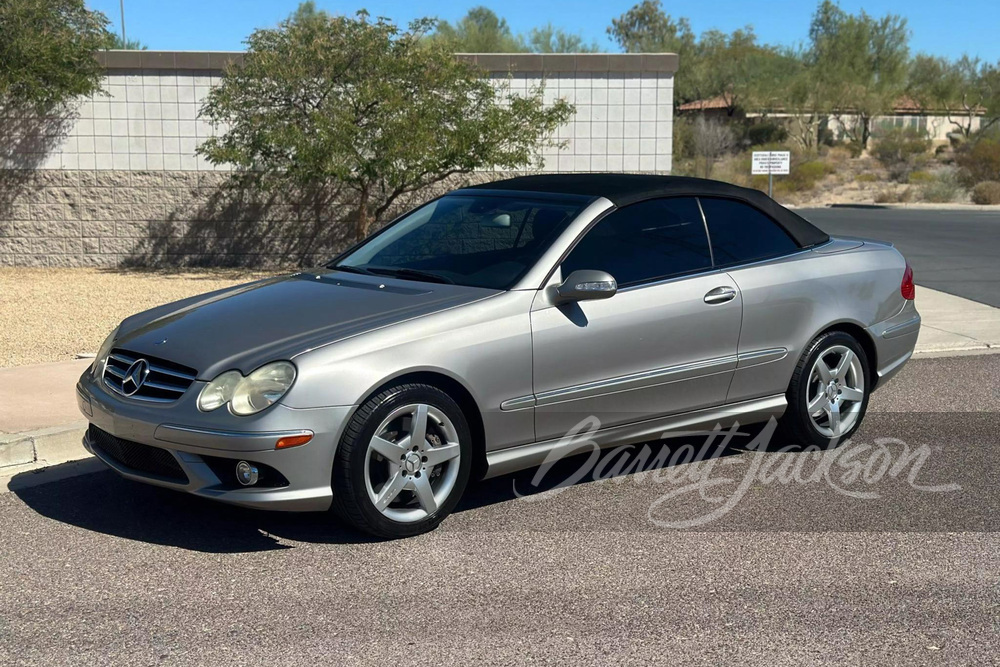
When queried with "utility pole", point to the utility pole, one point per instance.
{"points": [[121, 5]]}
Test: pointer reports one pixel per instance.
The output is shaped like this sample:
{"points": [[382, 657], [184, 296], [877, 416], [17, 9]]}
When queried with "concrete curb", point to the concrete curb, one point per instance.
{"points": [[916, 206], [42, 447], [956, 352]]}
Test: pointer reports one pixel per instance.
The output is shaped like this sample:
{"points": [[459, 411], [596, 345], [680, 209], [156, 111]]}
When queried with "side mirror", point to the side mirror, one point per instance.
{"points": [[585, 285]]}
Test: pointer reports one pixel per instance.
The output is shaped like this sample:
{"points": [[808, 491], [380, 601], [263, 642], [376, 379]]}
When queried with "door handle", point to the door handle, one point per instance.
{"points": [[720, 295]]}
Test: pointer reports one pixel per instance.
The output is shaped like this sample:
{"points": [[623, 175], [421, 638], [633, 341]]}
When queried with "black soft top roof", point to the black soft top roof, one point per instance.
{"points": [[625, 189]]}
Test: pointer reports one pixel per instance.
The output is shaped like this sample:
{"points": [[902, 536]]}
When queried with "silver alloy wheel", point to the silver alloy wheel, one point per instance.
{"points": [[412, 462], [836, 391]]}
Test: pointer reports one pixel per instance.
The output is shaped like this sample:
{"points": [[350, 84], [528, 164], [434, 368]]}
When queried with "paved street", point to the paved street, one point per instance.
{"points": [[954, 251], [863, 564]]}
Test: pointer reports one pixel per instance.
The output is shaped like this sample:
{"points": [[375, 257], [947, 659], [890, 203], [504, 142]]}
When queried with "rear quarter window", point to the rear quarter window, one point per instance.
{"points": [[740, 233]]}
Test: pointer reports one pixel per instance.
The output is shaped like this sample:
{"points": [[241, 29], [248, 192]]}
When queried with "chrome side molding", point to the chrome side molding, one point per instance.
{"points": [[512, 459]]}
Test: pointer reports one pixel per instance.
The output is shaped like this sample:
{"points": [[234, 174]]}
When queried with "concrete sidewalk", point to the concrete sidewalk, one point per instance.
{"points": [[953, 324], [41, 426]]}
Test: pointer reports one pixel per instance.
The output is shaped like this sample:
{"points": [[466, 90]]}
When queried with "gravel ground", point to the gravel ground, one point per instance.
{"points": [[55, 314]]}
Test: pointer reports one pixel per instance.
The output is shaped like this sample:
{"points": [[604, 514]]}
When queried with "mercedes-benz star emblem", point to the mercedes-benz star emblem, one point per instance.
{"points": [[135, 377]]}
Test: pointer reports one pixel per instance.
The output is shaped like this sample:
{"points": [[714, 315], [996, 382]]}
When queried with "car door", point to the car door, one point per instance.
{"points": [[779, 285], [665, 343]]}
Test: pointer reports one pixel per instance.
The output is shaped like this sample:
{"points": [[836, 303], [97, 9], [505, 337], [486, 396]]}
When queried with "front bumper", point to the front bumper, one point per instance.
{"points": [[196, 439]]}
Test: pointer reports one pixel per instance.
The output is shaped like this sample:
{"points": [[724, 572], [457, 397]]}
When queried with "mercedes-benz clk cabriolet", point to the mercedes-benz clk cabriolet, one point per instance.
{"points": [[467, 338]]}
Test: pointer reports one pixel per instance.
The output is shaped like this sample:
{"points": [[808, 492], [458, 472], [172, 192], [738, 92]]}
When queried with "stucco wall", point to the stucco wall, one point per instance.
{"points": [[115, 180]]}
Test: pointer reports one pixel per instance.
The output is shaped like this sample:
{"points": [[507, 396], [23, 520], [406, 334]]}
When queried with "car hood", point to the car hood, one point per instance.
{"points": [[249, 325]]}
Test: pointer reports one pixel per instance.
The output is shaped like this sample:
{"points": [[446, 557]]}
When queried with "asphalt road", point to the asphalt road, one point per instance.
{"points": [[874, 558], [957, 252]]}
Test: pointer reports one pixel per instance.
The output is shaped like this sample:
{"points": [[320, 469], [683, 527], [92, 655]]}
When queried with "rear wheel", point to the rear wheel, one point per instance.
{"points": [[828, 394], [403, 462]]}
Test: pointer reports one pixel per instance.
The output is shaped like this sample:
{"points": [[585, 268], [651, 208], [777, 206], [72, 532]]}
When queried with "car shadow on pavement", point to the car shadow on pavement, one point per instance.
{"points": [[587, 468], [103, 502], [106, 503]]}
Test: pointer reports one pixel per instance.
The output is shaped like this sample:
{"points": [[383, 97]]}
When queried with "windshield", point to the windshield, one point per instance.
{"points": [[479, 241]]}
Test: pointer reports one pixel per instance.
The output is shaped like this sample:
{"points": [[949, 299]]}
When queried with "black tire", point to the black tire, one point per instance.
{"points": [[796, 427], [351, 501]]}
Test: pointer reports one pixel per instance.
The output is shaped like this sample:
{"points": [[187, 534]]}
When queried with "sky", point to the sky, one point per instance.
{"points": [[937, 27]]}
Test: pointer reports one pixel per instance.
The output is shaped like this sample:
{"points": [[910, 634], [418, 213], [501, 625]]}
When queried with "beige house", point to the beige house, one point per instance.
{"points": [[906, 113]]}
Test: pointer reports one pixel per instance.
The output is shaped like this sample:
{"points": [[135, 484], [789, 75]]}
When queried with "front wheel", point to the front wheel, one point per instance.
{"points": [[403, 462], [829, 391]]}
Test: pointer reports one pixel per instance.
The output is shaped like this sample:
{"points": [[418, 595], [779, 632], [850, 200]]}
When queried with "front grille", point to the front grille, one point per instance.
{"points": [[161, 381], [137, 457]]}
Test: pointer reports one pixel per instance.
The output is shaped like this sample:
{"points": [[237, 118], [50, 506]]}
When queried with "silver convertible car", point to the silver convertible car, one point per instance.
{"points": [[470, 336]]}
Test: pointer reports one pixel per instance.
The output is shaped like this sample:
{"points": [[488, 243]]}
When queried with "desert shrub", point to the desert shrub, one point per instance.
{"points": [[866, 177], [918, 177], [766, 132], [891, 195], [899, 150], [804, 175], [759, 182], [979, 161], [836, 155], [987, 192], [713, 139], [683, 138], [945, 188], [729, 169], [853, 148]]}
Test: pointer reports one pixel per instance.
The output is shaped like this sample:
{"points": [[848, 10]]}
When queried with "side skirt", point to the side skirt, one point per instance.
{"points": [[512, 459]]}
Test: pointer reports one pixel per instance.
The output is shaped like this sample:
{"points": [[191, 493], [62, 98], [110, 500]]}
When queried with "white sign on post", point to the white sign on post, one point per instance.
{"points": [[771, 162]]}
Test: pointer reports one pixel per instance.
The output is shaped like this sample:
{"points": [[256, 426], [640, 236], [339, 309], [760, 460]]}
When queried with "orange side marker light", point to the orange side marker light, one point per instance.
{"points": [[293, 441]]}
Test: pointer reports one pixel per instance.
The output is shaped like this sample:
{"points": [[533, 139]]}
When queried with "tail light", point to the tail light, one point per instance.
{"points": [[906, 287]]}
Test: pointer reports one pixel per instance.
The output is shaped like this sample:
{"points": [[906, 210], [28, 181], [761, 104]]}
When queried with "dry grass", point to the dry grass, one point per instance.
{"points": [[55, 314]]}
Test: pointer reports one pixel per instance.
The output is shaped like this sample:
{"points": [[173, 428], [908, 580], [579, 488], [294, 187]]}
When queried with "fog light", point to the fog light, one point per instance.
{"points": [[247, 474]]}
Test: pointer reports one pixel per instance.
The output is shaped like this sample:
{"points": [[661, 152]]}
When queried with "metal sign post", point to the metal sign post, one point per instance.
{"points": [[770, 163]]}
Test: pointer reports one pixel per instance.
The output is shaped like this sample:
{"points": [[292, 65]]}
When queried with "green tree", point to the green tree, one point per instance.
{"points": [[370, 109], [307, 11], [646, 28], [115, 42], [479, 31], [550, 39], [731, 66], [806, 97], [774, 70], [482, 31], [964, 89], [861, 63], [735, 68], [47, 52]]}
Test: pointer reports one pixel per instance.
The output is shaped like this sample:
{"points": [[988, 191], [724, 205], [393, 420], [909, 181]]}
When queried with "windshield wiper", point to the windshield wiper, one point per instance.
{"points": [[352, 269], [417, 274]]}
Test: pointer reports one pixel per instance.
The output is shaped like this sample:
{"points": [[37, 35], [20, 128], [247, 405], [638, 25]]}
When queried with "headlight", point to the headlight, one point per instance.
{"points": [[97, 368], [219, 391], [251, 394]]}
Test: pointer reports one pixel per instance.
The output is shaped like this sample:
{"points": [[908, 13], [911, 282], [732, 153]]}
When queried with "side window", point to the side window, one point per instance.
{"points": [[653, 239], [741, 233]]}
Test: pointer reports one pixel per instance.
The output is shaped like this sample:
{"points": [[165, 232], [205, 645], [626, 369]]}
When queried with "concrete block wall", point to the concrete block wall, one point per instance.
{"points": [[123, 218], [116, 180]]}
